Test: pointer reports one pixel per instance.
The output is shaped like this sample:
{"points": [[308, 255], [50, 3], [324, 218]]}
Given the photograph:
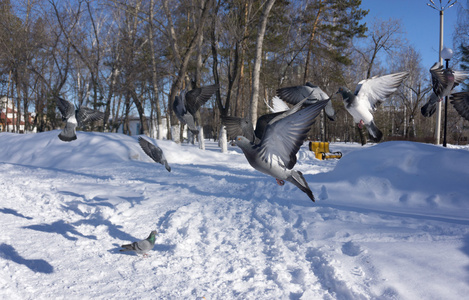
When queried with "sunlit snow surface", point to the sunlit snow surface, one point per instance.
{"points": [[391, 221]]}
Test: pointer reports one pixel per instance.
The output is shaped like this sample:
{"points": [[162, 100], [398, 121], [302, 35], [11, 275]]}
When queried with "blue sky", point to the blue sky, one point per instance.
{"points": [[420, 22]]}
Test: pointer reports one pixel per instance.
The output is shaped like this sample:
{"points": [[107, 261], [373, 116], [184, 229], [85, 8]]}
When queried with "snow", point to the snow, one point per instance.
{"points": [[391, 221]]}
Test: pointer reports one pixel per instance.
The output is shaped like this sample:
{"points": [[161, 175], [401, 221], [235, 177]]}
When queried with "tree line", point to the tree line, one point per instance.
{"points": [[130, 58]]}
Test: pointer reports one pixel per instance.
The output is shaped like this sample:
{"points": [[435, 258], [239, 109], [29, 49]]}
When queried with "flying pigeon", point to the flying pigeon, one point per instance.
{"points": [[154, 152], [313, 93], [187, 103], [75, 117], [460, 102], [275, 153], [367, 97], [141, 247], [443, 83]]}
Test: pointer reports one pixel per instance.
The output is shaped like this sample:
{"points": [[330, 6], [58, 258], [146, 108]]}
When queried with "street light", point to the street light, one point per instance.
{"points": [[441, 9], [446, 54]]}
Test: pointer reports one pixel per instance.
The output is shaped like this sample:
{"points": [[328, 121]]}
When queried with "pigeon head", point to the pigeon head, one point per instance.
{"points": [[344, 91], [151, 237], [242, 142]]}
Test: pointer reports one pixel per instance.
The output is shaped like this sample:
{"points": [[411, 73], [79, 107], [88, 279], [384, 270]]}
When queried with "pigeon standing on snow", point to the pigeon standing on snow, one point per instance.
{"points": [[275, 153], [312, 93], [154, 152], [187, 103], [460, 102], [75, 117], [368, 95], [443, 83], [141, 247]]}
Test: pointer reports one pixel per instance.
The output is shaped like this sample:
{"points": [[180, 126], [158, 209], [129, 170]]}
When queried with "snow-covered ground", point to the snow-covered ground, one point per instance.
{"points": [[391, 221]]}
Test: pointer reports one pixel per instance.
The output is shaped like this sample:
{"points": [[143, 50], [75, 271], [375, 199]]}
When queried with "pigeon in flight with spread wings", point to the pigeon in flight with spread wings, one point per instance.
{"points": [[369, 93], [443, 83], [311, 92], [154, 152], [275, 153], [186, 104], [75, 116]]}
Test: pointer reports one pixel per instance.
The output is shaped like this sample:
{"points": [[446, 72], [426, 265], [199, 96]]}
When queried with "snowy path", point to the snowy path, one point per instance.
{"points": [[225, 231]]}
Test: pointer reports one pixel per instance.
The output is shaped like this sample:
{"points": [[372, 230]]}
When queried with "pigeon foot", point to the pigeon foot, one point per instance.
{"points": [[280, 182]]}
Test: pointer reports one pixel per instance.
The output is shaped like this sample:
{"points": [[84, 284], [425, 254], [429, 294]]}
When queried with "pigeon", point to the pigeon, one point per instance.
{"points": [[443, 83], [460, 102], [141, 247], [275, 153], [75, 117], [154, 152], [313, 93], [187, 103], [369, 93]]}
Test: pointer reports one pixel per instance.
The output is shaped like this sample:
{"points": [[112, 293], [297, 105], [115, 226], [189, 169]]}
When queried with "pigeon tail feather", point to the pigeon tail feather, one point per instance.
{"points": [[67, 138], [374, 131], [299, 181]]}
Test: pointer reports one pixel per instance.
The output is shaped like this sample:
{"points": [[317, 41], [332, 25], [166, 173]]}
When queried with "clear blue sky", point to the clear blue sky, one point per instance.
{"points": [[420, 22]]}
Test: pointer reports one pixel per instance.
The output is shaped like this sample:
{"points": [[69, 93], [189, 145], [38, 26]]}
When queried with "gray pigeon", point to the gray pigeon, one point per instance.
{"points": [[154, 152], [460, 102], [443, 83], [75, 117], [367, 97], [141, 247], [188, 103], [312, 93], [275, 153]]}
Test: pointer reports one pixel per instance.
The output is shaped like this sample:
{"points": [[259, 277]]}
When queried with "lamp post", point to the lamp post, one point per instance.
{"points": [[446, 54], [441, 9]]}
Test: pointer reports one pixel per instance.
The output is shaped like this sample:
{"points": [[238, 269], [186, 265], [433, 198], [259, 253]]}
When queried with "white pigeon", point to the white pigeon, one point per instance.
{"points": [[75, 117], [141, 247], [188, 103], [154, 152], [311, 92], [367, 97], [275, 153]]}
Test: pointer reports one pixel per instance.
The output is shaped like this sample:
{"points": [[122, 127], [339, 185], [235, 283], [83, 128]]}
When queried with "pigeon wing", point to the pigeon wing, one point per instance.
{"points": [[66, 108], [86, 115], [376, 89], [460, 102], [286, 133], [197, 97], [236, 126], [459, 77], [294, 94], [439, 81]]}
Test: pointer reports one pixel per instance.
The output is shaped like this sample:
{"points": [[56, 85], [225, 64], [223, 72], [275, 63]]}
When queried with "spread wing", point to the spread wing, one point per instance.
{"points": [[460, 102], [439, 80], [86, 115], [197, 97], [66, 108], [285, 134], [238, 126], [376, 89]]}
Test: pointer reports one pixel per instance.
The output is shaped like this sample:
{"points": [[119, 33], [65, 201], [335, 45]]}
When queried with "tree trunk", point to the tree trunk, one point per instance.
{"points": [[154, 75], [258, 59]]}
